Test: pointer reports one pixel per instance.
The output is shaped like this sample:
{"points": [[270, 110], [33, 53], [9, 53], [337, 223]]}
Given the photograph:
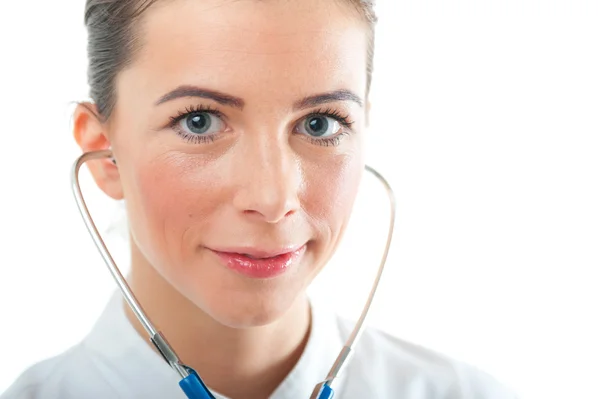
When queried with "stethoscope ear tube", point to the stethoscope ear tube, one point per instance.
{"points": [[324, 388], [191, 383]]}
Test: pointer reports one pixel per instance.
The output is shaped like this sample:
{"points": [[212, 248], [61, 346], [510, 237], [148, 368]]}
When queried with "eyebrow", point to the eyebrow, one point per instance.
{"points": [[236, 102], [192, 91], [332, 96]]}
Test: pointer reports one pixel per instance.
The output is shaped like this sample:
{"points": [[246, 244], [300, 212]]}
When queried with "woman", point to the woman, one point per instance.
{"points": [[237, 130]]}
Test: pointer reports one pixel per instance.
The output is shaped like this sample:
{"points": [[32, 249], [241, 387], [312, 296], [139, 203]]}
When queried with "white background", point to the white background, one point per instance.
{"points": [[486, 121]]}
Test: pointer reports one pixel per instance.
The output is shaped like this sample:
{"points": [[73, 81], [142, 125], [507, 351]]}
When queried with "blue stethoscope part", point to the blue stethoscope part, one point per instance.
{"points": [[326, 392], [193, 387]]}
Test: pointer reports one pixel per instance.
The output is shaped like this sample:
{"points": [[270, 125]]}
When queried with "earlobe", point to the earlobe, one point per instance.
{"points": [[91, 134]]}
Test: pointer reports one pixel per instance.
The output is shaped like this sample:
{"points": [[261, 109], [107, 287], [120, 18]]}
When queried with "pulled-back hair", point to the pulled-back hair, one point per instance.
{"points": [[113, 42]]}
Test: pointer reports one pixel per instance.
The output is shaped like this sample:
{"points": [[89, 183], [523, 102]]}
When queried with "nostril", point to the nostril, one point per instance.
{"points": [[270, 216], [251, 212]]}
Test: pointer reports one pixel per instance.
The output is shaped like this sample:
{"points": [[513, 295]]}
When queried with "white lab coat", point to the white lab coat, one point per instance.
{"points": [[113, 361]]}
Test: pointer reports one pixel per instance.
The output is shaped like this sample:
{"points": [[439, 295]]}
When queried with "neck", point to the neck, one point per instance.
{"points": [[239, 363]]}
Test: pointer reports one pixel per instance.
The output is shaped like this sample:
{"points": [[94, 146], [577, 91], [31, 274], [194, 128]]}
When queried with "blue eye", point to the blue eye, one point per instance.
{"points": [[201, 123], [320, 126]]}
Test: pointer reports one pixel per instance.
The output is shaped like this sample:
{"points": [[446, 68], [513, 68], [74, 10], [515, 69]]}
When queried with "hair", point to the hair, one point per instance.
{"points": [[113, 42]]}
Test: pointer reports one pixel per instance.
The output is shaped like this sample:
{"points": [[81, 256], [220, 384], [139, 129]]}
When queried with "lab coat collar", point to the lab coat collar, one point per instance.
{"points": [[136, 368]]}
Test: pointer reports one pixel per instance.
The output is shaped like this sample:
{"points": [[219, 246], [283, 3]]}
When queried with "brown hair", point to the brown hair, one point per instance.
{"points": [[112, 43]]}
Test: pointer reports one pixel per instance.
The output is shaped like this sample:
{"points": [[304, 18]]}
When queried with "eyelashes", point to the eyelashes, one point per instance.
{"points": [[341, 118], [180, 124], [176, 123]]}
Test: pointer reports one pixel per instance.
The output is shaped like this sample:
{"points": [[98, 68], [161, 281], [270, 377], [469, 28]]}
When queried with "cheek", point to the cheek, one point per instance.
{"points": [[167, 201], [329, 195]]}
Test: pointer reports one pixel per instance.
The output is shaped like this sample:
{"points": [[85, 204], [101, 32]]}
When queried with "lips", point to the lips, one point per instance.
{"points": [[260, 264]]}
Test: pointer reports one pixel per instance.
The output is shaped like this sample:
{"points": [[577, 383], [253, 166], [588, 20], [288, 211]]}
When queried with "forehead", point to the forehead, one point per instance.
{"points": [[277, 46]]}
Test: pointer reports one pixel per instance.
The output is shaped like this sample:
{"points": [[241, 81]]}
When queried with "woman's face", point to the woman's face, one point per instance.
{"points": [[238, 129]]}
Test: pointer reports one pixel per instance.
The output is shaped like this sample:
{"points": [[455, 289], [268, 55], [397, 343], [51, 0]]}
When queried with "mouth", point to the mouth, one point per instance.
{"points": [[260, 264]]}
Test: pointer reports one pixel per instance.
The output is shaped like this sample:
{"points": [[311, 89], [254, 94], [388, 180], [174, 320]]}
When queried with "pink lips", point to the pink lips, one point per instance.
{"points": [[259, 264]]}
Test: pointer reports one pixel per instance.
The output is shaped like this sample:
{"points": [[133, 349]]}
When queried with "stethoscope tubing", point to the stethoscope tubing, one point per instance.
{"points": [[191, 383]]}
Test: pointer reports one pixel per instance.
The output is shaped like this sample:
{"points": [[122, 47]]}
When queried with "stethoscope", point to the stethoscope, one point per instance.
{"points": [[191, 383]]}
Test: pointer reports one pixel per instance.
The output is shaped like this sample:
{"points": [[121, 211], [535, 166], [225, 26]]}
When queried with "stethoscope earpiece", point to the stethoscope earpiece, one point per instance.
{"points": [[110, 155]]}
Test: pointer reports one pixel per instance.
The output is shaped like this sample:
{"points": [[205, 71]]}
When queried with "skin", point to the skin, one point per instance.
{"points": [[261, 183]]}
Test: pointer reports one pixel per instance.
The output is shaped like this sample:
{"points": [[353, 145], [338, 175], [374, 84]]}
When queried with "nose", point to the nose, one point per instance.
{"points": [[269, 181]]}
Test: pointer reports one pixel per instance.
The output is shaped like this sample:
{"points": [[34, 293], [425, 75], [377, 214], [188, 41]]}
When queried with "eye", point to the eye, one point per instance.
{"points": [[320, 126], [201, 123]]}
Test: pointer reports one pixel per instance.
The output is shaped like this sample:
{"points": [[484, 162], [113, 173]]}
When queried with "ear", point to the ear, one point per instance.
{"points": [[91, 135]]}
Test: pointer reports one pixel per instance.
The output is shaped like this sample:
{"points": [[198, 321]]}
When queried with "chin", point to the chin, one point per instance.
{"points": [[237, 301], [252, 310]]}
